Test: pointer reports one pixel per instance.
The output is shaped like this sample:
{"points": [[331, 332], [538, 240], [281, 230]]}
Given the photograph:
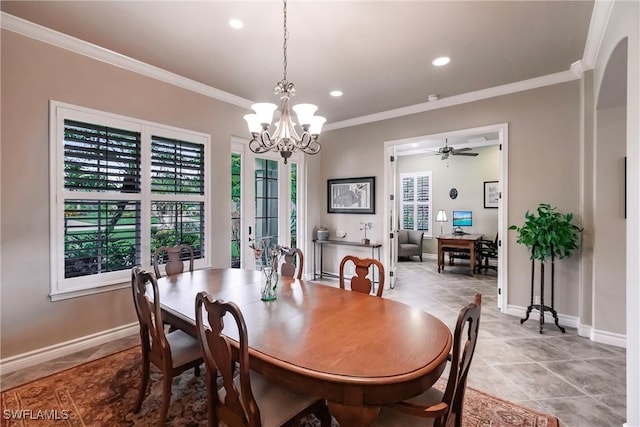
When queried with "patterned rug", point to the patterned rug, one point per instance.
{"points": [[102, 393]]}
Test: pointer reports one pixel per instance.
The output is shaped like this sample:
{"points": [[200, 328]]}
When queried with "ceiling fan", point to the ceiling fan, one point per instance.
{"points": [[445, 150]]}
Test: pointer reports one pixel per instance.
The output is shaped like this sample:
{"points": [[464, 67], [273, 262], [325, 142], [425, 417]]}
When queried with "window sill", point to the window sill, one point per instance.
{"points": [[63, 295]]}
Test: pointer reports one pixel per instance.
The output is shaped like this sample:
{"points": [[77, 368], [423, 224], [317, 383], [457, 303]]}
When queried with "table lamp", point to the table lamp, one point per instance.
{"points": [[441, 217]]}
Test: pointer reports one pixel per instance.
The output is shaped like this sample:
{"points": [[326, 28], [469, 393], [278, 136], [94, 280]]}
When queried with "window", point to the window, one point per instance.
{"points": [[120, 189], [416, 201]]}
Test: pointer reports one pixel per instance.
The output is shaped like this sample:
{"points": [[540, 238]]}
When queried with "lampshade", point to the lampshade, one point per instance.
{"points": [[253, 122], [305, 113], [264, 111], [442, 216], [316, 125]]}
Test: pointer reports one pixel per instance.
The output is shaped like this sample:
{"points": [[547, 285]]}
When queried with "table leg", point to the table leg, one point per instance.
{"points": [[440, 257], [472, 256], [314, 260], [353, 416]]}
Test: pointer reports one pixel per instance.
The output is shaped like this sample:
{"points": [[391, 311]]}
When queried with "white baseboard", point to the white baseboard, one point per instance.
{"points": [[35, 357], [611, 338]]}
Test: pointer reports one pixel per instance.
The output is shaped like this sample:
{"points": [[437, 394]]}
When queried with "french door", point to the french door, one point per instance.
{"points": [[265, 204]]}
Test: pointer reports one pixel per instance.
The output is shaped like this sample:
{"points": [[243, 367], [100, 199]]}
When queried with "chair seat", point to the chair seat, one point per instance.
{"points": [[184, 348], [277, 404], [390, 418]]}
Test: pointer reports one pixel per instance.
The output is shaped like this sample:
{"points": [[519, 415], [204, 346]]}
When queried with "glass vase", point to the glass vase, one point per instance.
{"points": [[269, 284]]}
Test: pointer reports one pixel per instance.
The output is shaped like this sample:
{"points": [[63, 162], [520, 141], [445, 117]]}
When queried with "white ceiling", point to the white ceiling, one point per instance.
{"points": [[378, 53]]}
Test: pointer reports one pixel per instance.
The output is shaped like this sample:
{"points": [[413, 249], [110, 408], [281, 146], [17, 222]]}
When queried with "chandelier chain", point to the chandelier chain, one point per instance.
{"points": [[286, 36]]}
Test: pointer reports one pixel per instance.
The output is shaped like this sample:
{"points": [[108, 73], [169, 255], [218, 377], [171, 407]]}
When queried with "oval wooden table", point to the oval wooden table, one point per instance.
{"points": [[357, 351]]}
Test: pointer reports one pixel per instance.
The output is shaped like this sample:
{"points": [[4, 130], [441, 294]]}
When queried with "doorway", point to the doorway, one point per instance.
{"points": [[468, 138], [265, 209]]}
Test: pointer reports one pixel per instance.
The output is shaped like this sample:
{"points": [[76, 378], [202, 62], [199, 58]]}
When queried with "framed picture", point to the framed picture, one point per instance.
{"points": [[491, 194], [352, 195]]}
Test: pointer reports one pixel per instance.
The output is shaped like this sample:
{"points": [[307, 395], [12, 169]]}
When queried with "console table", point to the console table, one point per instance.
{"points": [[323, 243], [465, 242]]}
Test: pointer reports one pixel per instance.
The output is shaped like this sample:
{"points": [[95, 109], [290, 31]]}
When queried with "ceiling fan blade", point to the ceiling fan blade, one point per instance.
{"points": [[461, 149], [464, 154]]}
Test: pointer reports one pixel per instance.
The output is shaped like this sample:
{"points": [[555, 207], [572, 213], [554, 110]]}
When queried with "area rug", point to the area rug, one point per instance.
{"points": [[102, 393]]}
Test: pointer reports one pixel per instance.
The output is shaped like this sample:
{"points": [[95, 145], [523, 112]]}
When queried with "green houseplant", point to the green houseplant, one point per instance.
{"points": [[548, 232]]}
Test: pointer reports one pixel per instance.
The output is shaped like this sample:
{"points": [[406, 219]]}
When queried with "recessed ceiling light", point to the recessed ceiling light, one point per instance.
{"points": [[335, 93], [236, 23], [439, 62]]}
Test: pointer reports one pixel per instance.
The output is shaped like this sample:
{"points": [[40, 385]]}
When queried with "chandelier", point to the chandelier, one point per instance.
{"points": [[285, 138]]}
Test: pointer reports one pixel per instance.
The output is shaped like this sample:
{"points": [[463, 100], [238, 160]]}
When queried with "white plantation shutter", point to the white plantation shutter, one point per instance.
{"points": [[120, 187], [416, 201]]}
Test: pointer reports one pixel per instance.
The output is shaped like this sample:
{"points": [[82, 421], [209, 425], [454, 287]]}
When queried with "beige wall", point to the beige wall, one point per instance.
{"points": [[32, 74], [544, 142], [467, 175], [610, 223]]}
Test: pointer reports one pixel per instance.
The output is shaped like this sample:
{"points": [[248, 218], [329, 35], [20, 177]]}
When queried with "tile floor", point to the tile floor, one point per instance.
{"points": [[579, 381]]}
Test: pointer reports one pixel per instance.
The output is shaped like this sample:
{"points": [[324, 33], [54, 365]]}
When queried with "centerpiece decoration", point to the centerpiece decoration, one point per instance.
{"points": [[267, 259]]}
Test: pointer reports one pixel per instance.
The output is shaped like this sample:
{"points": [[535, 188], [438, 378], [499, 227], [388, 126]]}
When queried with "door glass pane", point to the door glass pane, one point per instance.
{"points": [[266, 201], [236, 186], [293, 221]]}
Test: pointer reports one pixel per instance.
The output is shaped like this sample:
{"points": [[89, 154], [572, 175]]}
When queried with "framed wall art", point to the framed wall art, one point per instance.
{"points": [[352, 195], [491, 194]]}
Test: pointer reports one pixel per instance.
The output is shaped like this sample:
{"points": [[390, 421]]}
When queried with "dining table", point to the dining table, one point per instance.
{"points": [[357, 351]]}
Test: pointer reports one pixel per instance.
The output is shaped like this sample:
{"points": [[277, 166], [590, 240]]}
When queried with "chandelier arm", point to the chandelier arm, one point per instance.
{"points": [[313, 147]]}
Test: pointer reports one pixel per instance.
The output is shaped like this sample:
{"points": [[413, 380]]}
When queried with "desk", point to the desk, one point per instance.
{"points": [[358, 351], [463, 241], [322, 244]]}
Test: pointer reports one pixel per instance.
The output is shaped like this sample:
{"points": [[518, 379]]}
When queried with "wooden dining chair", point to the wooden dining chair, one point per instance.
{"points": [[288, 268], [244, 398], [174, 264], [172, 353], [360, 282], [434, 407]]}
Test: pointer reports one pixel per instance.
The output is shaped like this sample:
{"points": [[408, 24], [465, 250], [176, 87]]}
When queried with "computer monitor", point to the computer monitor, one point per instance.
{"points": [[462, 219]]}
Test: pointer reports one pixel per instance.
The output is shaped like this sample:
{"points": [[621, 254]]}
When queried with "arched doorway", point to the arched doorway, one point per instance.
{"points": [[609, 250]]}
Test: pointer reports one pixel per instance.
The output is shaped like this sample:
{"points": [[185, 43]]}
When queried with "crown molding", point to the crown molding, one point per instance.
{"points": [[548, 80], [597, 27], [81, 47]]}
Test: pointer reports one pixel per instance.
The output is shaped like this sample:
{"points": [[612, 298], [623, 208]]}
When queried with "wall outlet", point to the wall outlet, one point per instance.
{"points": [[536, 299]]}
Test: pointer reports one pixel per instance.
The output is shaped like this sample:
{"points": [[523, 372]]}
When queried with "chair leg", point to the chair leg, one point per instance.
{"points": [[166, 397], [143, 385], [324, 415], [196, 370]]}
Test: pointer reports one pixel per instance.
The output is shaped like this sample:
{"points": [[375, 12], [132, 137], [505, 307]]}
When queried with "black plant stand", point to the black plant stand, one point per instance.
{"points": [[541, 307]]}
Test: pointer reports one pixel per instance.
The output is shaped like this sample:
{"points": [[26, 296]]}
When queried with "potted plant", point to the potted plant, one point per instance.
{"points": [[548, 234]]}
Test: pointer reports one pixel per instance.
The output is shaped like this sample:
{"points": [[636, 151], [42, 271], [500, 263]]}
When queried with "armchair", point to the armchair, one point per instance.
{"points": [[410, 243]]}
